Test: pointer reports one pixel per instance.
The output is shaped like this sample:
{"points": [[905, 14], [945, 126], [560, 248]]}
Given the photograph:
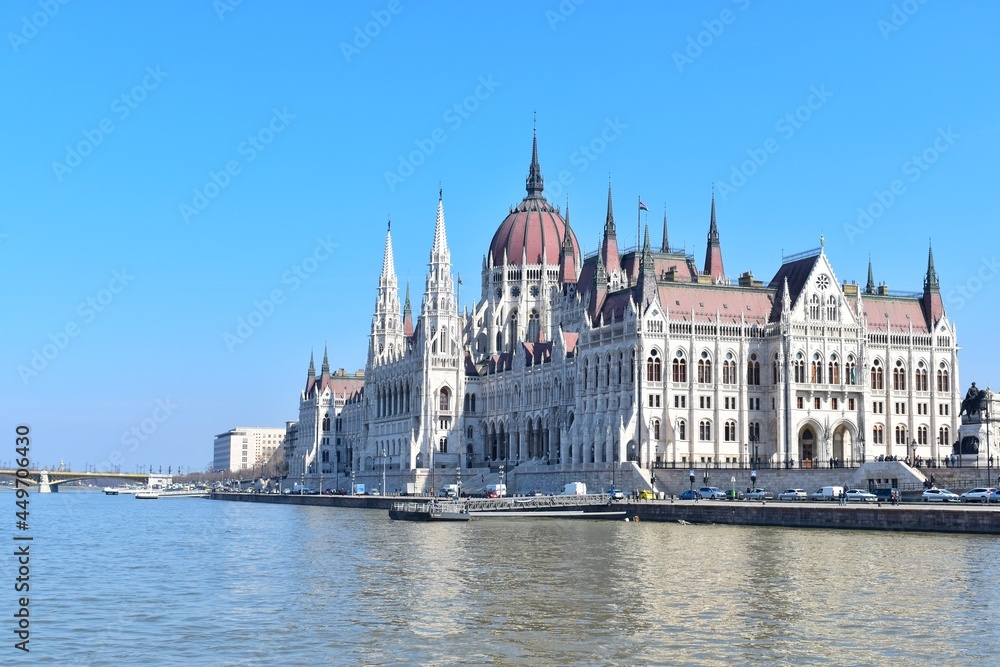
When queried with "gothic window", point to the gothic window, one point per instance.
{"points": [[679, 368], [833, 371], [753, 370], [586, 372], [681, 429], [900, 435], [878, 375], [705, 369], [729, 369], [943, 436], [943, 382], [621, 359], [814, 307], [705, 430], [656, 429], [921, 435], [653, 366], [831, 309], [774, 369], [754, 433], [899, 377], [920, 377], [799, 364], [326, 423], [443, 445], [878, 434], [631, 368], [730, 434], [817, 370], [534, 327], [445, 399], [849, 371]]}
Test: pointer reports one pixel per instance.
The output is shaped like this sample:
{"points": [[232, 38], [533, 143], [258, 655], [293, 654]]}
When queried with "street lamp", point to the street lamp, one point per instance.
{"points": [[383, 471], [458, 480], [502, 487], [691, 476]]}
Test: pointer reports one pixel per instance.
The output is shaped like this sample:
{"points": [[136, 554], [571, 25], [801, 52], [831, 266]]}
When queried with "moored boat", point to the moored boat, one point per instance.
{"points": [[147, 495], [428, 512], [110, 491]]}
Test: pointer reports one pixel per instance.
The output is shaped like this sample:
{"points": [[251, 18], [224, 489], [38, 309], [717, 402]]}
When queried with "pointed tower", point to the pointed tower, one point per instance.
{"points": [[534, 184], [407, 314], [600, 275], [387, 333], [567, 257], [713, 253], [610, 244], [933, 305], [310, 375], [870, 285], [647, 273], [665, 245], [439, 295]]}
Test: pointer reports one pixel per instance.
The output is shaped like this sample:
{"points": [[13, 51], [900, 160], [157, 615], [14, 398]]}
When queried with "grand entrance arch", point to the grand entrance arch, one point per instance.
{"points": [[843, 444], [807, 445]]}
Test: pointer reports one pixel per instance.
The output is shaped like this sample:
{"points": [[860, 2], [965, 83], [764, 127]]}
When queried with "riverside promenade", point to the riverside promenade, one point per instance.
{"points": [[914, 517]]}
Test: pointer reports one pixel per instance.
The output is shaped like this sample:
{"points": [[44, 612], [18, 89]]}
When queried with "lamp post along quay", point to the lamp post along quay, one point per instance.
{"points": [[383, 471]]}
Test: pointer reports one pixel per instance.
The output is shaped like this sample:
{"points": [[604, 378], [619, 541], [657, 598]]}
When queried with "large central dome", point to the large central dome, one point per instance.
{"points": [[533, 228]]}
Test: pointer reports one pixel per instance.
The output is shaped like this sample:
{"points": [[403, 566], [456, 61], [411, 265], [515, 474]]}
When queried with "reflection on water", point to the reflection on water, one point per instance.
{"points": [[205, 582]]}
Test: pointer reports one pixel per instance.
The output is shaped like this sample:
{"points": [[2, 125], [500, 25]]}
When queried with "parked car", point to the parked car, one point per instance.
{"points": [[994, 496], [615, 494], [978, 495], [793, 494], [711, 492], [690, 495], [760, 494], [735, 494], [860, 496], [646, 494], [934, 495]]}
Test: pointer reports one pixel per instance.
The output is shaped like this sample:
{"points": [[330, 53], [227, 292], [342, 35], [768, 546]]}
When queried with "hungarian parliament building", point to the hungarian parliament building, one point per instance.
{"points": [[636, 357]]}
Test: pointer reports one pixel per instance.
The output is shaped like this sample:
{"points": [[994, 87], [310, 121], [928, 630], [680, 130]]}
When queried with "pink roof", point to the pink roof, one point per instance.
{"points": [[732, 304], [571, 340], [901, 311], [533, 227]]}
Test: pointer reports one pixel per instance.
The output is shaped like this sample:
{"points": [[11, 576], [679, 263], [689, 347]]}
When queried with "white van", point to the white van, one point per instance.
{"points": [[828, 493]]}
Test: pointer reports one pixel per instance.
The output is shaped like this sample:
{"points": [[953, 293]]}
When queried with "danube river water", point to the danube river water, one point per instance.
{"points": [[119, 581]]}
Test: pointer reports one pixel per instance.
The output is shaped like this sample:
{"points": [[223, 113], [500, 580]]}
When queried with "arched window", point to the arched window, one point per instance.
{"points": [[899, 376], [705, 430], [705, 369], [817, 370], [831, 308], [586, 372], [753, 370], [621, 360], [833, 370], [729, 369], [921, 435], [470, 432], [631, 367], [878, 434], [920, 377], [754, 432], [445, 402], [679, 371], [849, 371], [799, 365], [814, 307], [326, 423], [943, 382], [681, 429], [473, 403], [653, 366], [534, 328], [730, 431], [878, 375], [944, 438], [774, 369], [656, 429], [900, 435]]}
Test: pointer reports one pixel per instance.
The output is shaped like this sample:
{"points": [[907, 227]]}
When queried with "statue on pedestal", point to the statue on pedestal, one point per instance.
{"points": [[973, 402]]}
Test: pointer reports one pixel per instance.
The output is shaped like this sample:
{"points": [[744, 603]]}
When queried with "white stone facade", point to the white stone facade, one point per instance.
{"points": [[637, 356]]}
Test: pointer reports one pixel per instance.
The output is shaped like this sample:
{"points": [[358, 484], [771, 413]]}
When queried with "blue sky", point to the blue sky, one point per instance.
{"points": [[171, 168]]}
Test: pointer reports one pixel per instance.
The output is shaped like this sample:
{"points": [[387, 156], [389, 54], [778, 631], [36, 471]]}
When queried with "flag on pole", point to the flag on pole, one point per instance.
{"points": [[460, 279], [642, 206]]}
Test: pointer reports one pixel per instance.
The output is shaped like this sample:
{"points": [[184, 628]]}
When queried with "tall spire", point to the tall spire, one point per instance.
{"points": [[388, 265], [407, 309], [713, 253], [325, 369], [439, 251], [647, 271], [609, 220], [870, 285], [665, 246], [612, 263], [312, 366], [931, 279], [534, 183], [600, 275], [567, 254], [932, 302]]}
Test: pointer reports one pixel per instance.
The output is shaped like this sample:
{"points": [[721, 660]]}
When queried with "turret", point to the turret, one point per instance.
{"points": [[610, 252], [713, 253], [932, 303]]}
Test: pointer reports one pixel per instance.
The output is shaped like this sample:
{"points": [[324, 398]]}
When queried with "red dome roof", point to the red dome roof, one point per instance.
{"points": [[532, 228]]}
